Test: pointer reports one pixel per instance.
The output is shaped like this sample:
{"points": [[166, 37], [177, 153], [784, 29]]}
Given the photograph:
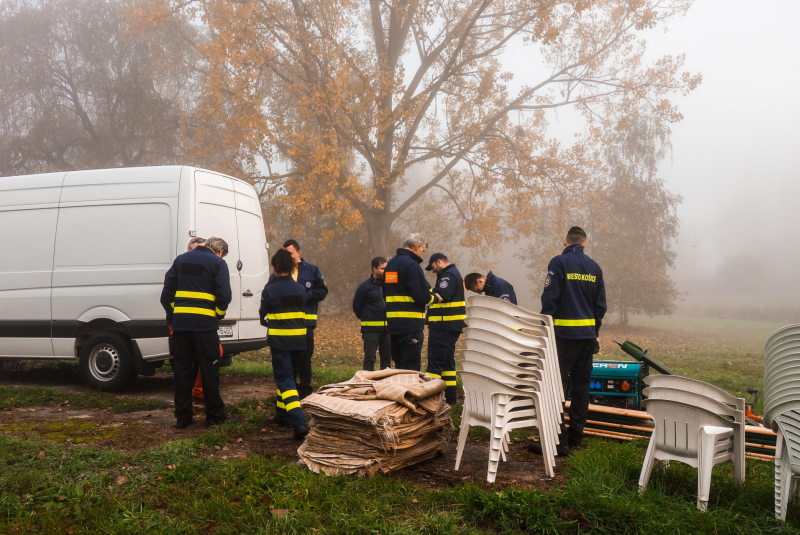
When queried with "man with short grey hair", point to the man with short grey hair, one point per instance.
{"points": [[219, 246], [406, 293], [194, 242]]}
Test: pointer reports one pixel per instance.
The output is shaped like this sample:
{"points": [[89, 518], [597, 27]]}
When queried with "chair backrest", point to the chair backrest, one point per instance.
{"points": [[692, 398], [783, 333], [515, 310], [677, 424], [503, 377], [502, 365], [474, 311], [788, 423], [507, 332], [531, 353], [695, 386], [480, 392]]}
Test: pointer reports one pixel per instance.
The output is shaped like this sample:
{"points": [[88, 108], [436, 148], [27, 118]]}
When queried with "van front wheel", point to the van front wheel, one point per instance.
{"points": [[105, 361]]}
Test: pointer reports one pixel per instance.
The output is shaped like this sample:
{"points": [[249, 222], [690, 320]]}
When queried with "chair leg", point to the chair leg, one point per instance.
{"points": [[783, 478], [547, 456], [463, 432], [495, 449], [649, 461]]}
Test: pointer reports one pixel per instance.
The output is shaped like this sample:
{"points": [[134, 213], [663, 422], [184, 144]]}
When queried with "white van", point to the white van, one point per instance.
{"points": [[84, 257]]}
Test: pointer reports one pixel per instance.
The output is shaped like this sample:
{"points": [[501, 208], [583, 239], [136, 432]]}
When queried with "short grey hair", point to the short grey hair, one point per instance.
{"points": [[218, 245], [415, 239]]}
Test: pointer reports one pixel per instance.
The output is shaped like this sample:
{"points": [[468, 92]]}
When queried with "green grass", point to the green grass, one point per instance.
{"points": [[80, 489], [12, 396]]}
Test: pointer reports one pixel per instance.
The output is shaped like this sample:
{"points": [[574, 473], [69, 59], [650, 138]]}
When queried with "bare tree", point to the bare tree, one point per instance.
{"points": [[79, 88]]}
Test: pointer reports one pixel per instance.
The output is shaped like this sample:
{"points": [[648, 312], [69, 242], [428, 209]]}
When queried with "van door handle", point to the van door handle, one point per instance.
{"points": [[239, 265], [248, 293]]}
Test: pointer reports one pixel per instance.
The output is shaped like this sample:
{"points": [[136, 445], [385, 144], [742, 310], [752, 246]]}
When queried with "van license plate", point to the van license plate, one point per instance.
{"points": [[226, 331]]}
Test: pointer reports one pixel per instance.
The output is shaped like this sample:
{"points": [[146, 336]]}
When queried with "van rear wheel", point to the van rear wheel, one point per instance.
{"points": [[106, 363]]}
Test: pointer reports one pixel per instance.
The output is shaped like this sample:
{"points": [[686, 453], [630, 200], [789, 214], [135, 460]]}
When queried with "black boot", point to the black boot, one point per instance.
{"points": [[300, 432], [562, 450]]}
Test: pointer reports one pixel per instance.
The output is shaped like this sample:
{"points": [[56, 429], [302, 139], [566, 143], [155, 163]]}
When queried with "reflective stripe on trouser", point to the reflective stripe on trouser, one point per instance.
{"points": [[442, 361], [287, 406]]}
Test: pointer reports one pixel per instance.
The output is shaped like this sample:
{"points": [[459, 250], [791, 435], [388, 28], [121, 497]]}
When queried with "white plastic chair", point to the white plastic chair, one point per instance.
{"points": [[529, 374], [684, 384], [787, 461], [782, 410], [694, 430], [485, 405], [514, 310], [512, 335], [516, 368]]}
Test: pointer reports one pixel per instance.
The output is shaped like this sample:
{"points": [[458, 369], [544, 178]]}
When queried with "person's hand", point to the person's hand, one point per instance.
{"points": [[169, 326], [596, 347], [439, 298]]}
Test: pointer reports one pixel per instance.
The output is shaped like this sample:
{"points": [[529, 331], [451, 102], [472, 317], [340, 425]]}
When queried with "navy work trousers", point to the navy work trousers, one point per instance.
{"points": [[575, 363], [193, 351], [301, 364], [287, 405], [442, 360], [407, 350], [375, 341]]}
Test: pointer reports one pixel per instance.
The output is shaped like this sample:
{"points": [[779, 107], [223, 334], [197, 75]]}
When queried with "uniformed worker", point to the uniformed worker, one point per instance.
{"points": [[575, 296], [370, 308], [197, 389], [283, 311], [445, 322], [196, 294], [309, 276], [406, 293], [491, 285]]}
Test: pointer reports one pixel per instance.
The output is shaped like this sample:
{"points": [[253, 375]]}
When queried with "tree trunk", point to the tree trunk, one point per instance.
{"points": [[379, 230]]}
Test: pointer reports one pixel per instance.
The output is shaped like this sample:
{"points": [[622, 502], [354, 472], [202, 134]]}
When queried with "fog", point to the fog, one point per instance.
{"points": [[735, 161]]}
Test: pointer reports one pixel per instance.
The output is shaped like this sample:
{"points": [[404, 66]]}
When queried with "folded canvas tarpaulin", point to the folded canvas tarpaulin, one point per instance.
{"points": [[376, 421]]}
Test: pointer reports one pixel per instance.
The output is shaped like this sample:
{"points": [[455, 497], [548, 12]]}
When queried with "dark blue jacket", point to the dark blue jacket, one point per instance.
{"points": [[309, 276], [369, 306], [494, 286], [197, 291], [448, 315], [283, 311], [574, 294], [406, 293]]}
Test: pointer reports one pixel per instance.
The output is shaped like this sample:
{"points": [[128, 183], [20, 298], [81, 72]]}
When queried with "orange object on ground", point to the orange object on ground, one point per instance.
{"points": [[197, 390]]}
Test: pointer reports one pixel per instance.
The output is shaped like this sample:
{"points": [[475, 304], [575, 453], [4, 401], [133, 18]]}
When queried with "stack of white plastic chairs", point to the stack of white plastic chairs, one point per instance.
{"points": [[510, 378], [782, 410], [695, 423]]}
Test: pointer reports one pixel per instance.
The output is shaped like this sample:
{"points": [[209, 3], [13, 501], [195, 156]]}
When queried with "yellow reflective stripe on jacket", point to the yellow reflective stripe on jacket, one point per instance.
{"points": [[221, 312], [192, 310], [196, 295], [449, 305], [399, 299], [287, 332], [373, 324], [286, 316], [292, 405], [310, 316], [432, 298], [289, 394], [405, 315], [172, 304], [447, 318], [574, 323]]}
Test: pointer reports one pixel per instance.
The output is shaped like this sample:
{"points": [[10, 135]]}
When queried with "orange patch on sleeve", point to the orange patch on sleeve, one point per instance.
{"points": [[390, 276]]}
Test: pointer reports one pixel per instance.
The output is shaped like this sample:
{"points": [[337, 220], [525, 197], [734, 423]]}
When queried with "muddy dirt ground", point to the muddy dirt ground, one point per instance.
{"points": [[134, 432]]}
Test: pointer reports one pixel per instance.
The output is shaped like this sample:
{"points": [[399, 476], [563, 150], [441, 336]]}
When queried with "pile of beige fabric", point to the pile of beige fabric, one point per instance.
{"points": [[383, 420]]}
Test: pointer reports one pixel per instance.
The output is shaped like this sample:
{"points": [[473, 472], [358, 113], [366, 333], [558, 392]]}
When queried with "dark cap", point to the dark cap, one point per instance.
{"points": [[434, 258]]}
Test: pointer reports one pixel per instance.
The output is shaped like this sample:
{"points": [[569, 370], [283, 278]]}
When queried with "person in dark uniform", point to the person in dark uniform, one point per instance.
{"points": [[283, 311], [309, 276], [491, 285], [406, 293], [445, 322], [196, 294], [575, 296], [370, 308]]}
